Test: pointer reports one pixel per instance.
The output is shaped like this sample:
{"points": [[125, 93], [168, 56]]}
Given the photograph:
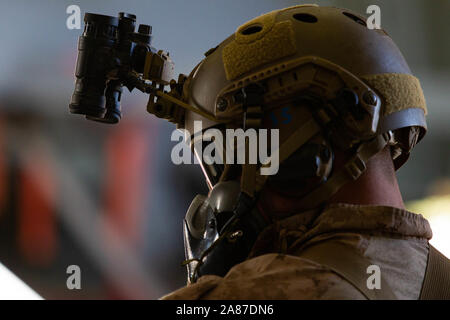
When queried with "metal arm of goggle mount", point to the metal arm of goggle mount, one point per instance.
{"points": [[162, 104]]}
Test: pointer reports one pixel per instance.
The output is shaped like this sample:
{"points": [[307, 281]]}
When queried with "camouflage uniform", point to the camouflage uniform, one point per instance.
{"points": [[394, 239]]}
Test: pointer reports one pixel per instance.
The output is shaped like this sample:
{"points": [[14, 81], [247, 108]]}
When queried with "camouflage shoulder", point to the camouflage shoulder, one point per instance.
{"points": [[285, 277], [194, 291]]}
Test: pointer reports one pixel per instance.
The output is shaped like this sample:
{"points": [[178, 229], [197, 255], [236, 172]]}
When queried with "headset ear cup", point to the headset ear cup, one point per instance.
{"points": [[304, 170]]}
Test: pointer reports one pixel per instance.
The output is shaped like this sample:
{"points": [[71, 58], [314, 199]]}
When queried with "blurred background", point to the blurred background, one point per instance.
{"points": [[108, 198]]}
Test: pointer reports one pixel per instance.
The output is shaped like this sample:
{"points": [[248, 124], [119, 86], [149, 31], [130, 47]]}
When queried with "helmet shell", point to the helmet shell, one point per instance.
{"points": [[337, 35]]}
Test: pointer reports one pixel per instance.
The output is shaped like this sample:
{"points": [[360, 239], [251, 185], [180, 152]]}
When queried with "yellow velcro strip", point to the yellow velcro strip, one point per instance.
{"points": [[240, 56], [265, 21], [399, 91]]}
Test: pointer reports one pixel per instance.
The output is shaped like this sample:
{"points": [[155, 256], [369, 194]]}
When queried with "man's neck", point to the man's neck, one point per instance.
{"points": [[377, 185]]}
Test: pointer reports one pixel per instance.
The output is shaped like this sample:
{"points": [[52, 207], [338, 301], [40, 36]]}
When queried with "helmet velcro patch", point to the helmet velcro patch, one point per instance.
{"points": [[241, 57], [399, 91]]}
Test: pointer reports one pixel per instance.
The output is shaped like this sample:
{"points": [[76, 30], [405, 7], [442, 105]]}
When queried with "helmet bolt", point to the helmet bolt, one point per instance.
{"points": [[235, 235], [221, 104], [212, 223], [370, 98]]}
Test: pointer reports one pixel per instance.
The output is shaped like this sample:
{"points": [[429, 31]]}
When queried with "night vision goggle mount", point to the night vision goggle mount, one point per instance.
{"points": [[112, 55]]}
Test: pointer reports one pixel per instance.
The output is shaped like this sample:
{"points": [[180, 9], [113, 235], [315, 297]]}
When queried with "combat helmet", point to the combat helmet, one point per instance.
{"points": [[352, 81]]}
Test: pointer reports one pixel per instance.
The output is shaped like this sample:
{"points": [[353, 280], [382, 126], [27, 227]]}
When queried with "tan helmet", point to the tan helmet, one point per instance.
{"points": [[310, 55]]}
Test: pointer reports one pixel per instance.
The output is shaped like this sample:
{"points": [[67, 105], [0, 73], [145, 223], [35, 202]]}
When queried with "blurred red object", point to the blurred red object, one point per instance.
{"points": [[36, 209]]}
